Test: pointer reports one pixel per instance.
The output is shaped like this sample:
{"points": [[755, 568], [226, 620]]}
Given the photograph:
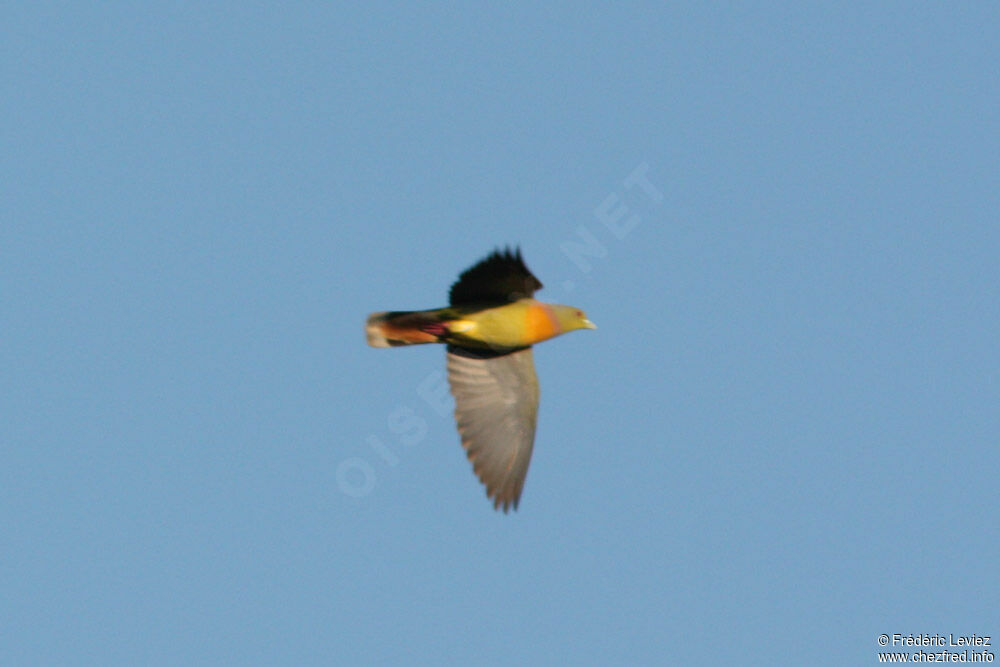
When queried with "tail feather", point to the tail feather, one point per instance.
{"points": [[391, 329]]}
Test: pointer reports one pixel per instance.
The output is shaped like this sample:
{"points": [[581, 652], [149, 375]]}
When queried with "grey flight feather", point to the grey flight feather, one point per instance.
{"points": [[496, 407]]}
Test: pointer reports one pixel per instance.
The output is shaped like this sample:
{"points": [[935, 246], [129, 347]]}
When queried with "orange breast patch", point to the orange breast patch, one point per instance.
{"points": [[541, 324]]}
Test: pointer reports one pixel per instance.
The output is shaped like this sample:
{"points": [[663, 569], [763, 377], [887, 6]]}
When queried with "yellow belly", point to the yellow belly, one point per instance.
{"points": [[517, 324]]}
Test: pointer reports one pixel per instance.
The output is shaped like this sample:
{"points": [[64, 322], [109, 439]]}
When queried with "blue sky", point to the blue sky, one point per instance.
{"points": [[780, 443]]}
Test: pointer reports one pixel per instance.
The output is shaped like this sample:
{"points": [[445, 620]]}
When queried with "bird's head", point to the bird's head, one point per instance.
{"points": [[571, 318]]}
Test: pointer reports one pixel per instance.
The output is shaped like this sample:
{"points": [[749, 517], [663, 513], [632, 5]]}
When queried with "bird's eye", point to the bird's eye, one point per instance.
{"points": [[579, 313]]}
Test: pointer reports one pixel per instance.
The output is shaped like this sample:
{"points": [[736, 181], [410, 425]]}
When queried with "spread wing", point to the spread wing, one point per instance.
{"points": [[500, 278], [496, 406]]}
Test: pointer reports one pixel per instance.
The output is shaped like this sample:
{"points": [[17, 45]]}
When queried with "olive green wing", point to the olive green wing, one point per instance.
{"points": [[496, 407]]}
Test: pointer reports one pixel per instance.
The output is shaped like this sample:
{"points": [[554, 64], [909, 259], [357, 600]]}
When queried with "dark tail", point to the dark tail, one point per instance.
{"points": [[391, 329]]}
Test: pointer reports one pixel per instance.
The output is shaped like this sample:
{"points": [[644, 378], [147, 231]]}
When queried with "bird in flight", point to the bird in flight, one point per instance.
{"points": [[489, 327]]}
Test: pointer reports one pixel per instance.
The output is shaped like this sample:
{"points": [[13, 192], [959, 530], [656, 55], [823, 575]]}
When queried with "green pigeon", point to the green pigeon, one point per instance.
{"points": [[489, 327]]}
